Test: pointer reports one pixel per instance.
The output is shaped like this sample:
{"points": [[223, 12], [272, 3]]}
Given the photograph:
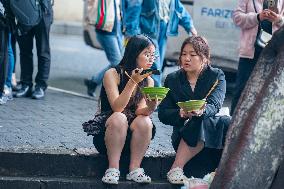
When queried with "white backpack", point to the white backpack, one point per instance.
{"points": [[101, 14]]}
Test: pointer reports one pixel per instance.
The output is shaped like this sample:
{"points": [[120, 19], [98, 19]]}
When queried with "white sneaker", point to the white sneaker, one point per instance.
{"points": [[8, 92], [3, 99], [176, 176], [138, 175], [111, 176]]}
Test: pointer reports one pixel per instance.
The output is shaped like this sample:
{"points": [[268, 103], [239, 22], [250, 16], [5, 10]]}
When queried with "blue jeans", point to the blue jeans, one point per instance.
{"points": [[161, 44], [11, 62], [162, 41], [112, 45]]}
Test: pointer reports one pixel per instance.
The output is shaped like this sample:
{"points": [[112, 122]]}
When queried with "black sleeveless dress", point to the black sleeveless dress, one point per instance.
{"points": [[96, 126]]}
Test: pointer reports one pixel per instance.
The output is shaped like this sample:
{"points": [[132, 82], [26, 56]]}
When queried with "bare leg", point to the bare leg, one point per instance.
{"points": [[14, 80], [115, 136], [141, 137], [185, 153]]}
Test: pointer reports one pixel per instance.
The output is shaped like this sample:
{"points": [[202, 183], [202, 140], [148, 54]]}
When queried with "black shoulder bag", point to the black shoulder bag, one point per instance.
{"points": [[262, 37]]}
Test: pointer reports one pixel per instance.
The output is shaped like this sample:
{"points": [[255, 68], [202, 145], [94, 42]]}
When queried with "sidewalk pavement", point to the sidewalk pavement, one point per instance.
{"points": [[53, 125]]}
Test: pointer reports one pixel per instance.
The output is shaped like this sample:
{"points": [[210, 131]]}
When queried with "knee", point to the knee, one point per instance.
{"points": [[142, 124], [117, 122]]}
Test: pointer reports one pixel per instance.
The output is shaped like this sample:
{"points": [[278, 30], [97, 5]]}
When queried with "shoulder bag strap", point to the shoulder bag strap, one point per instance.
{"points": [[257, 13], [254, 6]]}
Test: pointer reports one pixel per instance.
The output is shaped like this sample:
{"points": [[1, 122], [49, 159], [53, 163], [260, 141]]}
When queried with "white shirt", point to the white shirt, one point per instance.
{"points": [[2, 9], [164, 10]]}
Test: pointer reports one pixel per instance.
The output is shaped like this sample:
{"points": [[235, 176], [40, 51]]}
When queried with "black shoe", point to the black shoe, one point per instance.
{"points": [[38, 93], [17, 87], [91, 87], [25, 91]]}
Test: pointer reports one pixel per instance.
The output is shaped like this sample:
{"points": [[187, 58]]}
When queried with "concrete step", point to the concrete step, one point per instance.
{"points": [[75, 183], [94, 166]]}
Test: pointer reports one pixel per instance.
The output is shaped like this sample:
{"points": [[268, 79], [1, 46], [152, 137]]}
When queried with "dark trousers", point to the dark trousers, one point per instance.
{"points": [[3, 57], [41, 34], [245, 69]]}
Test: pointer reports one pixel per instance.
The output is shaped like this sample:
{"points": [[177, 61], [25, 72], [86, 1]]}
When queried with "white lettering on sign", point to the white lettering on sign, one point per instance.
{"points": [[225, 25], [216, 12]]}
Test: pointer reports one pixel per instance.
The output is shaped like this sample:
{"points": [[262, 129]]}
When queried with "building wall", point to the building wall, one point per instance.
{"points": [[68, 10]]}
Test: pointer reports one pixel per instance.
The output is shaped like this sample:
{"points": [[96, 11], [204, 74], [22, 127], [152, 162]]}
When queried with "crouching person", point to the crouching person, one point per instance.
{"points": [[195, 80], [124, 125]]}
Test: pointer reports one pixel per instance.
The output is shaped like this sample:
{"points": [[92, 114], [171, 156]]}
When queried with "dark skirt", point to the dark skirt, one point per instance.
{"points": [[96, 127], [211, 130]]}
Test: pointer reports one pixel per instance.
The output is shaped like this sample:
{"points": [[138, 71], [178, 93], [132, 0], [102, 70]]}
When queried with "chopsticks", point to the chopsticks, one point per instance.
{"points": [[131, 79], [147, 96], [212, 88]]}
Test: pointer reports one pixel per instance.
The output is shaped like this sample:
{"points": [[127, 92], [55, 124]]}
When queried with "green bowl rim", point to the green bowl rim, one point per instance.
{"points": [[155, 88], [199, 103]]}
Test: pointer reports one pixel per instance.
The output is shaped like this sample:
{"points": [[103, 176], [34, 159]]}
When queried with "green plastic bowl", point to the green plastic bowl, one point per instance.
{"points": [[155, 92], [191, 105]]}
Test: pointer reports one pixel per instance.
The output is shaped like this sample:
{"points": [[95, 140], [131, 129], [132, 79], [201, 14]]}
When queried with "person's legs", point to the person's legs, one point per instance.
{"points": [[10, 67], [3, 63], [120, 39], [10, 63], [157, 65], [113, 50], [183, 155], [14, 48], [186, 153], [112, 45], [162, 42], [141, 129], [15, 86], [115, 136], [26, 57], [244, 71], [43, 53]]}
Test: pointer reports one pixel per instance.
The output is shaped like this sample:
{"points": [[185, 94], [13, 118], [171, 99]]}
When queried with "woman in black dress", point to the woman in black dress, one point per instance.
{"points": [[194, 130], [124, 124]]}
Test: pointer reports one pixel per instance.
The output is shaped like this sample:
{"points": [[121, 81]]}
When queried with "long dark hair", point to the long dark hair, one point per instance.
{"points": [[134, 47]]}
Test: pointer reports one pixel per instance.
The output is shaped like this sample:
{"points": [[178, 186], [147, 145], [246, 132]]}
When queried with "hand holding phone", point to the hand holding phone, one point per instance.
{"points": [[155, 72], [271, 15]]}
